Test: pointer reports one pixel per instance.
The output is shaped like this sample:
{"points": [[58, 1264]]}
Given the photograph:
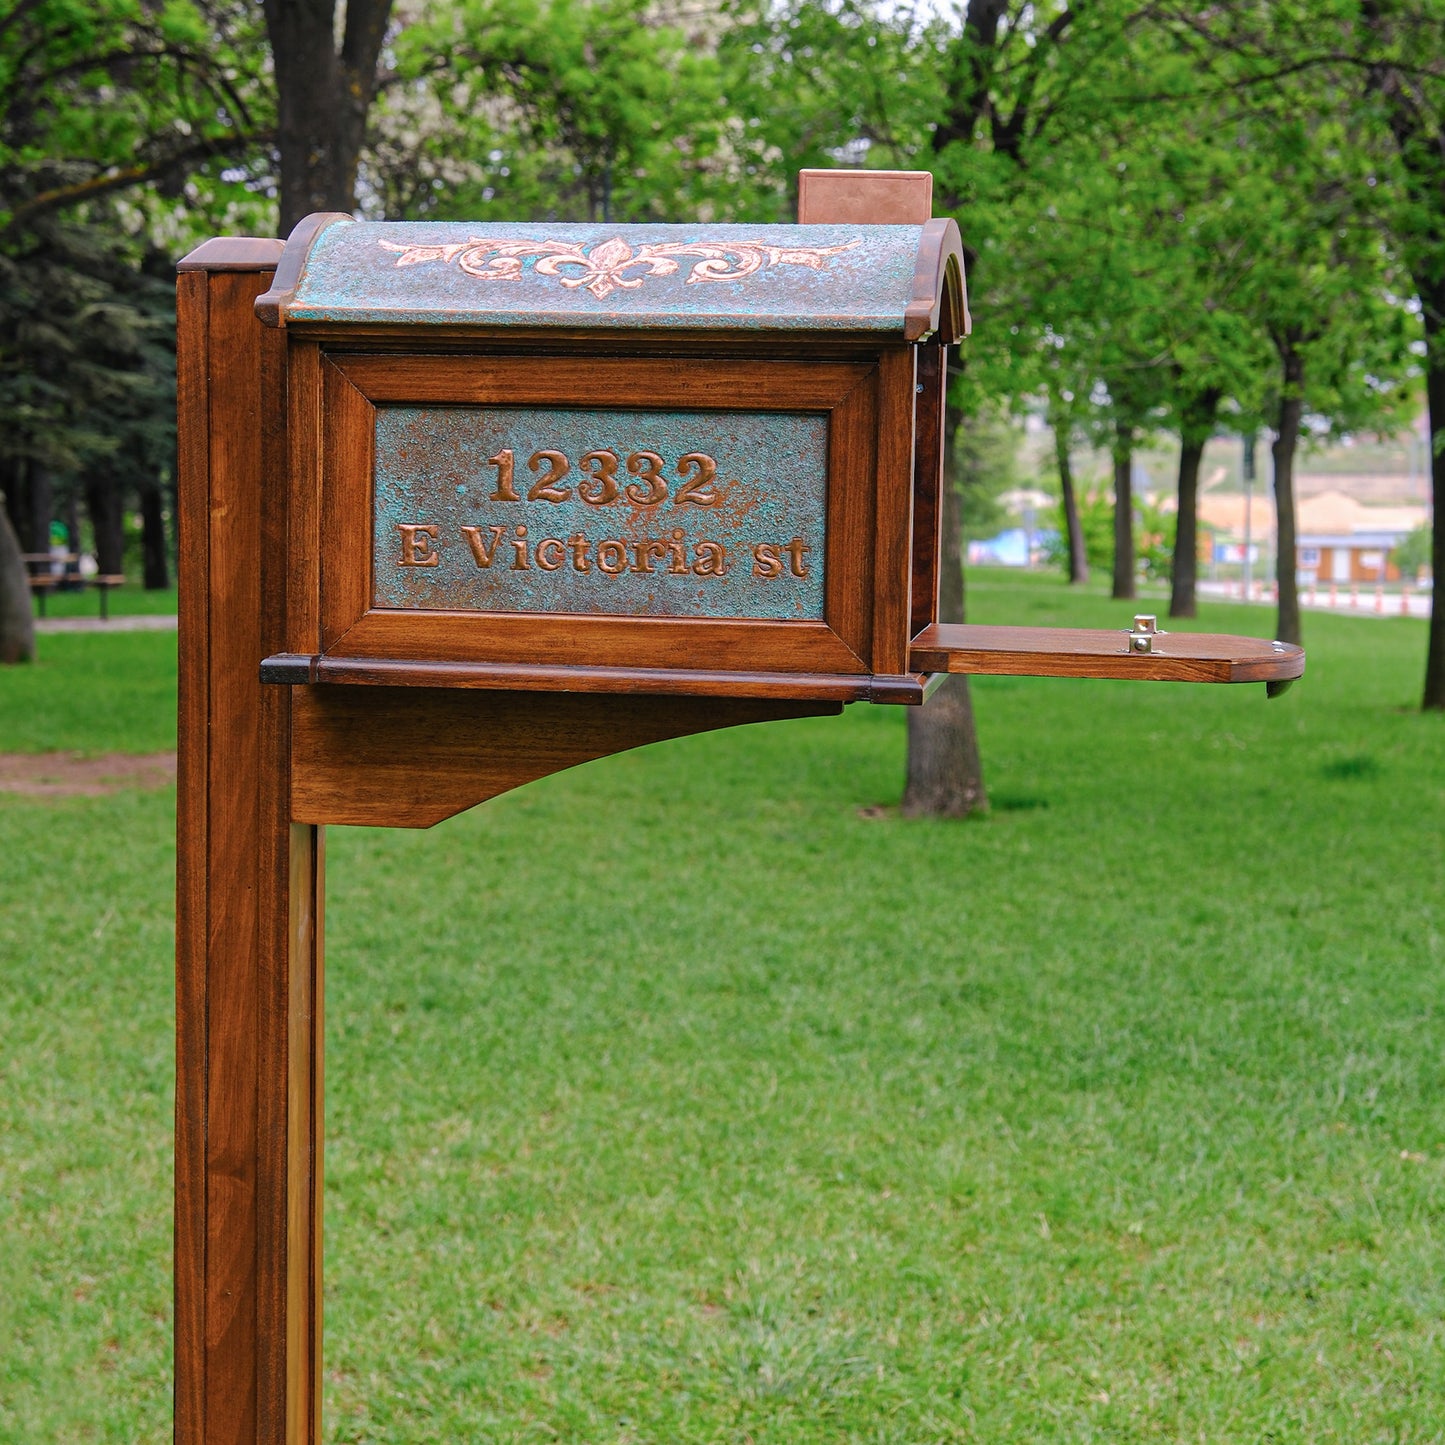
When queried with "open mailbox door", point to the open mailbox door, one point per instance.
{"points": [[669, 459]]}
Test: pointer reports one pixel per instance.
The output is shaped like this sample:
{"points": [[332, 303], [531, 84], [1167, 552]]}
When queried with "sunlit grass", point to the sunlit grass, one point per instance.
{"points": [[670, 1099]]}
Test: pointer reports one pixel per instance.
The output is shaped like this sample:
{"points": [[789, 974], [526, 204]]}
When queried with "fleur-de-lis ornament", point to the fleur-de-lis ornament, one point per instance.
{"points": [[603, 268]]}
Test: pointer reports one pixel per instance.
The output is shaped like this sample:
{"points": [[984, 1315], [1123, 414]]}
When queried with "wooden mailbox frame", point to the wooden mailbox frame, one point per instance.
{"points": [[857, 589], [302, 705]]}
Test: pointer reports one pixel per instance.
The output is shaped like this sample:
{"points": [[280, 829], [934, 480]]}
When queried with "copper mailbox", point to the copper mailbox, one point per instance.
{"points": [[680, 457]]}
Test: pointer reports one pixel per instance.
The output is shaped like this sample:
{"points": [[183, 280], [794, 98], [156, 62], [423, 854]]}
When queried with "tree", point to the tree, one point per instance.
{"points": [[1003, 89], [577, 111], [324, 92], [1400, 35], [17, 629], [1412, 553], [1381, 62], [944, 773], [100, 99], [1061, 421]]}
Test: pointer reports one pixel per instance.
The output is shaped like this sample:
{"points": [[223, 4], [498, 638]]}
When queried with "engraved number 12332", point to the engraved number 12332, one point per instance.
{"points": [[601, 484]]}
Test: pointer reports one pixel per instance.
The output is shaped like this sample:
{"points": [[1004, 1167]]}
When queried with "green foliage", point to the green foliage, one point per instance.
{"points": [[101, 97], [1412, 555], [1155, 528], [1096, 522], [87, 355], [561, 110], [985, 467]]}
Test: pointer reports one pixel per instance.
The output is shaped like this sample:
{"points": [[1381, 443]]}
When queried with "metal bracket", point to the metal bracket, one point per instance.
{"points": [[1141, 639]]}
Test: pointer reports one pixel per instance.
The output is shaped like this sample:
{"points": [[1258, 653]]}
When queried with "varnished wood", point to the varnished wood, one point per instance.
{"points": [[927, 486], [893, 547], [700, 343], [352, 628], [1086, 652], [192, 830], [289, 669], [302, 582], [578, 640], [410, 757], [599, 382], [852, 522], [344, 554], [248, 884], [233, 856]]}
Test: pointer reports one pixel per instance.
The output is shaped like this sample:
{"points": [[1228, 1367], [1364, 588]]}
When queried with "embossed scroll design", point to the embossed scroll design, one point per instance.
{"points": [[602, 268]]}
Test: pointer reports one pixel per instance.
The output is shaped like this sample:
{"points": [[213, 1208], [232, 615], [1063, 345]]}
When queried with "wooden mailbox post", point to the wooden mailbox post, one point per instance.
{"points": [[464, 505]]}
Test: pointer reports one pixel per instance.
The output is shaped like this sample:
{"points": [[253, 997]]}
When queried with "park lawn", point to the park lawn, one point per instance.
{"points": [[132, 600], [92, 692], [675, 1099]]}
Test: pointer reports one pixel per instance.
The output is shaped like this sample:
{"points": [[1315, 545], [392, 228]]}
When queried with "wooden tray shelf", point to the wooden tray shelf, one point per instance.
{"points": [[1102, 652]]}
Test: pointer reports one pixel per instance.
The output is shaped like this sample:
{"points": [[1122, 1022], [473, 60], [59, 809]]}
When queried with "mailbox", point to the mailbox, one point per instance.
{"points": [[464, 505], [613, 458], [669, 459]]}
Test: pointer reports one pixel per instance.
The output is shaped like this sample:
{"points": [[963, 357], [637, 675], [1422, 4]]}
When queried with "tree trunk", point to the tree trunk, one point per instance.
{"points": [[1434, 309], [322, 99], [14, 484], [1196, 423], [1291, 408], [156, 569], [1182, 602], [1123, 510], [1078, 554], [1419, 136], [17, 627], [945, 772], [42, 507], [107, 521]]}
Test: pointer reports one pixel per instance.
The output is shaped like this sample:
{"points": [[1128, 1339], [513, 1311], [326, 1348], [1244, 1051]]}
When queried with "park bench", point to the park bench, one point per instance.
{"points": [[40, 573], [43, 579]]}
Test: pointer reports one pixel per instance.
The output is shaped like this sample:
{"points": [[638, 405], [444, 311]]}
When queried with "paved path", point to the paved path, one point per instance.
{"points": [[138, 623]]}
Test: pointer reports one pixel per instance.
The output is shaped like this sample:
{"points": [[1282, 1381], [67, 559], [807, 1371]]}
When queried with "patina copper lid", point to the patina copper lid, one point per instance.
{"points": [[902, 283]]}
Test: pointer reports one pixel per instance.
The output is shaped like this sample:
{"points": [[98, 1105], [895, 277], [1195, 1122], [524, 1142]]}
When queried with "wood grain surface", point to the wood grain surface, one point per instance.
{"points": [[294, 668], [410, 757], [1088, 652], [893, 543], [927, 486], [248, 899], [192, 832], [353, 384]]}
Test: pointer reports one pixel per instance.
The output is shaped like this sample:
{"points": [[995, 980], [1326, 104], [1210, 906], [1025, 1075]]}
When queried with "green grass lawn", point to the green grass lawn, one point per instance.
{"points": [[130, 600], [92, 692], [671, 1100]]}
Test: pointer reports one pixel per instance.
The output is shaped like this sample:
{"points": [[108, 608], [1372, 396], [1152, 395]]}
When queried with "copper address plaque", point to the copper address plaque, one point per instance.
{"points": [[522, 509]]}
